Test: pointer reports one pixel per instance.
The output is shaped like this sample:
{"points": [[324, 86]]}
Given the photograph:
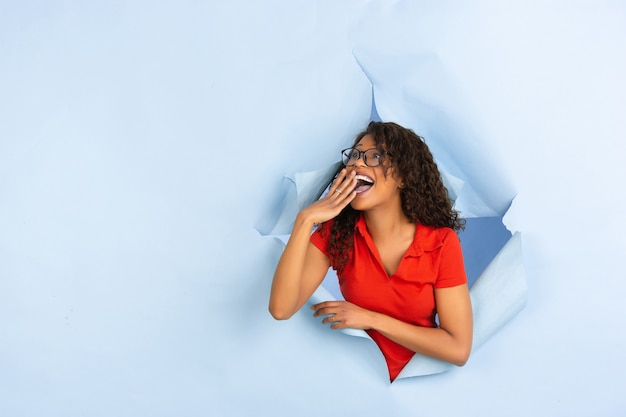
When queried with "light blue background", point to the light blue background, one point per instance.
{"points": [[141, 142]]}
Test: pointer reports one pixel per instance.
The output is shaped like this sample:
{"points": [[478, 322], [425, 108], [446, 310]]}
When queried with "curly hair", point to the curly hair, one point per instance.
{"points": [[423, 197]]}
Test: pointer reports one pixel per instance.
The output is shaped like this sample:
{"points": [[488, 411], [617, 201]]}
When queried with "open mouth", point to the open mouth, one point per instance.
{"points": [[363, 183]]}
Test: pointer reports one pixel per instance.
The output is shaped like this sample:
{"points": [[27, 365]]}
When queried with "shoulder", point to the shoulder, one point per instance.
{"points": [[324, 229], [321, 234], [443, 232], [431, 238]]}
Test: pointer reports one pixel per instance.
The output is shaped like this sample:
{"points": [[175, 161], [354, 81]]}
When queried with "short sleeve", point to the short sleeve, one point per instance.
{"points": [[451, 265], [321, 236]]}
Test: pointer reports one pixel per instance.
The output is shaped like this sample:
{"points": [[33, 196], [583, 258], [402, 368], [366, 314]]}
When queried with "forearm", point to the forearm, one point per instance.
{"points": [[287, 286], [434, 342]]}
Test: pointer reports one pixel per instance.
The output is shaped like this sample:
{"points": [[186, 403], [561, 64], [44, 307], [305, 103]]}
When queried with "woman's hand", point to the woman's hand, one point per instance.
{"points": [[340, 194], [344, 314]]}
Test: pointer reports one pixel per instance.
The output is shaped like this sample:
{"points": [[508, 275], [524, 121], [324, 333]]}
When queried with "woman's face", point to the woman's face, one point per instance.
{"points": [[375, 190]]}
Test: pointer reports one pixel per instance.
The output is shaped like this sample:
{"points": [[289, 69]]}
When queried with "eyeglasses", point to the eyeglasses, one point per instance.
{"points": [[372, 157]]}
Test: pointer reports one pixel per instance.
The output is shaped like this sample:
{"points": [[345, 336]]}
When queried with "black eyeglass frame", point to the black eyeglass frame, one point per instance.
{"points": [[359, 152]]}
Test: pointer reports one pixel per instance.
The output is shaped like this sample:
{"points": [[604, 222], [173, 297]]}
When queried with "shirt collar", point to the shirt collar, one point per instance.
{"points": [[426, 237]]}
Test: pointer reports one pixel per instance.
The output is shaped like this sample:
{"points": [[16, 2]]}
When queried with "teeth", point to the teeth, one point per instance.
{"points": [[364, 178]]}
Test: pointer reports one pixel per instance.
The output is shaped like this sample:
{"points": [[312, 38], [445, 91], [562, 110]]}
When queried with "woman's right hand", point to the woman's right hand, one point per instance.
{"points": [[340, 194]]}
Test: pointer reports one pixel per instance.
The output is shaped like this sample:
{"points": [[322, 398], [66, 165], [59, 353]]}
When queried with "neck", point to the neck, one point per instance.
{"points": [[387, 223]]}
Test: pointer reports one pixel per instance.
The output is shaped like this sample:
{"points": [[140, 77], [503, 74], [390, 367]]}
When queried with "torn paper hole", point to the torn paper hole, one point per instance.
{"points": [[498, 291]]}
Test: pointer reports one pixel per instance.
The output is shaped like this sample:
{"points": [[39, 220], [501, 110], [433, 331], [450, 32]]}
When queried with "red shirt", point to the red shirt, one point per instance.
{"points": [[434, 260]]}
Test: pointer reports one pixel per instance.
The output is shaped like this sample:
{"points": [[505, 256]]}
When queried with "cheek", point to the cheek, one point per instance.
{"points": [[391, 174], [396, 180], [391, 180]]}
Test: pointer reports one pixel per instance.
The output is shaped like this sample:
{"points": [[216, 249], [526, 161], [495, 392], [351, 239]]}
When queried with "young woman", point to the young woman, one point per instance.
{"points": [[388, 228]]}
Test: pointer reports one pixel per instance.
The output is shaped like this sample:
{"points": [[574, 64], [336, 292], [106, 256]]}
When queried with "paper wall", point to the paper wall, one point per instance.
{"points": [[141, 144]]}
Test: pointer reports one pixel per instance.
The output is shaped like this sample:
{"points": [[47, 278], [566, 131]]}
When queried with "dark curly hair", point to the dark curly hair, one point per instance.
{"points": [[423, 196]]}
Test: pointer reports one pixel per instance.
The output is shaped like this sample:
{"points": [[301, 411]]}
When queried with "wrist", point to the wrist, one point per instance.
{"points": [[376, 321], [304, 219]]}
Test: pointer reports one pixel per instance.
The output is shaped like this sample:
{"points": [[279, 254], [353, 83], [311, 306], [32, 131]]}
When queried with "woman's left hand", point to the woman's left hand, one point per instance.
{"points": [[344, 314]]}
